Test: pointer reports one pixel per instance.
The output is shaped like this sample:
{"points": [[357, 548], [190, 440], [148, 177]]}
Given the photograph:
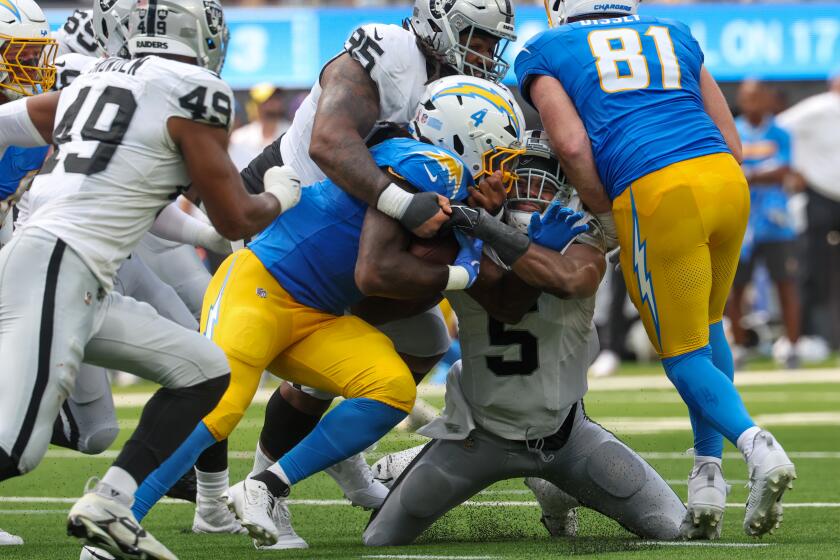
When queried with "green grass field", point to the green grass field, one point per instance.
{"points": [[802, 409]]}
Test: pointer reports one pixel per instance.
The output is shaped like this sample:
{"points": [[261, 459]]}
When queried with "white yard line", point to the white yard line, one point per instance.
{"points": [[619, 383], [701, 544]]}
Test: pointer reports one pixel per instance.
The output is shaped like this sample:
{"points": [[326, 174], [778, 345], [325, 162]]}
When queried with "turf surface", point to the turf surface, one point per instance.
{"points": [[35, 506]]}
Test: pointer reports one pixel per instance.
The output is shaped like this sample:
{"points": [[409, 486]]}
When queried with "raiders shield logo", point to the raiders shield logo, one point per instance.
{"points": [[106, 5], [440, 8], [215, 16]]}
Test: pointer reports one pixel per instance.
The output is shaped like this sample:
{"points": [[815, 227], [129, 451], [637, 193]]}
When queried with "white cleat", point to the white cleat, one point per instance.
{"points": [[213, 516], [559, 513], [357, 482], [103, 522], [605, 364], [421, 414], [389, 468], [253, 505], [8, 539], [771, 473], [283, 522], [707, 491], [93, 553]]}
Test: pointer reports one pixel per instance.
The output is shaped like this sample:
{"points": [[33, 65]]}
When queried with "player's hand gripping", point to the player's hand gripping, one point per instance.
{"points": [[556, 228], [489, 194], [284, 184], [464, 271]]}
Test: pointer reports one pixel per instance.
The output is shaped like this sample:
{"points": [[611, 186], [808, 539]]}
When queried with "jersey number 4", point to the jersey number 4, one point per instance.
{"points": [[621, 64]]}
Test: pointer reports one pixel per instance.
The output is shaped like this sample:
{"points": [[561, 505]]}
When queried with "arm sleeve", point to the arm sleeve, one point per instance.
{"points": [[176, 225]]}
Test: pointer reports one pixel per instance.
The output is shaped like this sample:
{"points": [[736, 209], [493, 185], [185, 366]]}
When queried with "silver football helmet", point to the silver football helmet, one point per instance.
{"points": [[447, 26], [540, 182], [558, 11], [193, 28], [110, 25]]}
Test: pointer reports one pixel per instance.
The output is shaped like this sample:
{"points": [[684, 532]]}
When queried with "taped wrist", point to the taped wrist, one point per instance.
{"points": [[459, 278], [508, 242], [422, 208], [394, 201]]}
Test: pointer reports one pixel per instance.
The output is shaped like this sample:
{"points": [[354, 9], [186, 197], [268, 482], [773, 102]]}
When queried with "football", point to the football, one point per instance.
{"points": [[437, 250]]}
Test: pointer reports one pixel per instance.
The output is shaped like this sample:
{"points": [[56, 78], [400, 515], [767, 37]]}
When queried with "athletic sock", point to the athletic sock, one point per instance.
{"points": [[347, 429], [261, 461], [156, 484], [746, 440], [211, 485], [121, 485], [709, 393], [275, 480]]}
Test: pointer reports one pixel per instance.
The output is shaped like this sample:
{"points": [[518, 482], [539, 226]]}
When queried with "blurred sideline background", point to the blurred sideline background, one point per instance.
{"points": [[770, 58]]}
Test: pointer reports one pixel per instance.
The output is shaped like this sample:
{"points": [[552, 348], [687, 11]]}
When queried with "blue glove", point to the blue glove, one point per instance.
{"points": [[469, 257], [556, 228]]}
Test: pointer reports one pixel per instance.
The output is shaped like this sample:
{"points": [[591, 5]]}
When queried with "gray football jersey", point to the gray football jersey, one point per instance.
{"points": [[518, 381]]}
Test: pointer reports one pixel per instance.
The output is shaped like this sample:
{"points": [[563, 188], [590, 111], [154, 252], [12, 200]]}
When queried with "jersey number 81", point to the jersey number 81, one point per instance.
{"points": [[621, 64]]}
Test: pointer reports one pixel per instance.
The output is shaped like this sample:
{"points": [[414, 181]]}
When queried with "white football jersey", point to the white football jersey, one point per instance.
{"points": [[116, 166], [77, 36], [70, 66], [391, 56], [517, 381]]}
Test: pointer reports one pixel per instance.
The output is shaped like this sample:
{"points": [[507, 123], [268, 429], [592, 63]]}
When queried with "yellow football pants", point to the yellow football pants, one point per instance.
{"points": [[680, 230], [260, 326]]}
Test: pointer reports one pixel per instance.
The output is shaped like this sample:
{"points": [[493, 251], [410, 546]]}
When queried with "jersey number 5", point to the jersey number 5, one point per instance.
{"points": [[529, 357], [621, 64]]}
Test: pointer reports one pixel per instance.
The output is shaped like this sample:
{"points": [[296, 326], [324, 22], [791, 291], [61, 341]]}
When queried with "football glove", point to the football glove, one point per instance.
{"points": [[284, 184], [556, 228], [464, 271]]}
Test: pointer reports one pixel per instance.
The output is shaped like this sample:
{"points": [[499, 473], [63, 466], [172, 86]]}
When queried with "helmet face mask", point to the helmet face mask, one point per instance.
{"points": [[450, 27], [27, 52], [190, 28], [110, 24], [477, 120], [541, 181]]}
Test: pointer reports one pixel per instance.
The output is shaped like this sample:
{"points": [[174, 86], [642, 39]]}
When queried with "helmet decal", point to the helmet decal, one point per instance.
{"points": [[9, 5], [440, 8], [476, 91]]}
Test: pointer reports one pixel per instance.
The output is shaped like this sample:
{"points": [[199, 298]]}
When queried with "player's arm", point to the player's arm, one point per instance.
{"points": [[28, 122], [571, 275], [347, 111], [717, 108], [570, 141], [233, 212]]}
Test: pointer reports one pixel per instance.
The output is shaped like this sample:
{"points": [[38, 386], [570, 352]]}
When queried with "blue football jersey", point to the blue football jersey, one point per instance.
{"points": [[767, 147], [311, 250], [17, 165], [635, 82]]}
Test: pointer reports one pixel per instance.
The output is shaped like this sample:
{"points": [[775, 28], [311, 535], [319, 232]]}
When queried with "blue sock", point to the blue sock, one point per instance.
{"points": [[349, 428], [710, 395], [168, 473], [708, 442]]}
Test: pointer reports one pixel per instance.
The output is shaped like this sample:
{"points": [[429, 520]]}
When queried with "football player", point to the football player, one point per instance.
{"points": [[664, 151], [379, 76], [27, 56], [95, 197], [280, 304], [514, 404]]}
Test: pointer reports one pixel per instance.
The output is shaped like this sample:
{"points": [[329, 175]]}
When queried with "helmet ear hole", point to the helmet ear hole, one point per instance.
{"points": [[458, 145]]}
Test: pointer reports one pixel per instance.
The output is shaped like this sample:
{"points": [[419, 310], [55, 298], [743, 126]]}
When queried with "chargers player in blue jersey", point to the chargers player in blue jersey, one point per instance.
{"points": [[280, 304], [27, 56], [641, 125], [767, 157]]}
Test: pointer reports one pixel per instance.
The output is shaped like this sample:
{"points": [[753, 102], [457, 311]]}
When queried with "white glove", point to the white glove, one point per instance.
{"points": [[607, 223], [284, 184]]}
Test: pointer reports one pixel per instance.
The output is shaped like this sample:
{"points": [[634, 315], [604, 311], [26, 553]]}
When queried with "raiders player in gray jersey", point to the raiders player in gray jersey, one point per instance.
{"points": [[514, 405], [118, 154]]}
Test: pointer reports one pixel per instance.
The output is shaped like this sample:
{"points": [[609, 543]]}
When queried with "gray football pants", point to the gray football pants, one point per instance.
{"points": [[593, 466], [53, 315], [87, 421]]}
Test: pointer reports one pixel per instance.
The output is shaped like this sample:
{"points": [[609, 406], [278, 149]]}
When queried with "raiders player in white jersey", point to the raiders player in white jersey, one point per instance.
{"points": [[125, 133], [379, 77], [514, 404]]}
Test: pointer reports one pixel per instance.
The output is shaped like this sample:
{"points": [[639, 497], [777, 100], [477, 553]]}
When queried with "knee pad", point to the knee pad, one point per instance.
{"points": [[424, 489], [616, 470], [99, 440]]}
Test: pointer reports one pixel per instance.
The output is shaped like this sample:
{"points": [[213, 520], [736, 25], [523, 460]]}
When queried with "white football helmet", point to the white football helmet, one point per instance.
{"points": [[27, 52], [476, 119], [193, 28], [110, 24], [441, 25], [559, 11]]}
